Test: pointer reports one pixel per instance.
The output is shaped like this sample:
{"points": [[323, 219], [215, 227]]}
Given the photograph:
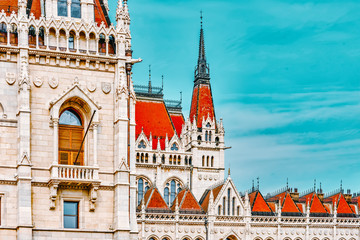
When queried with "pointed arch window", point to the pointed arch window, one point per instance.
{"points": [[32, 36], [154, 158], [112, 45], [173, 191], [224, 202], [163, 159], [102, 44], [206, 135], [3, 33], [228, 198], [166, 195], [233, 206], [140, 190], [70, 137], [209, 136], [71, 41], [13, 35], [41, 36]]}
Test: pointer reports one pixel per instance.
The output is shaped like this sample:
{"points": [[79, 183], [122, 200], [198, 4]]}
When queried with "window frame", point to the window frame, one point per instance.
{"points": [[78, 212]]}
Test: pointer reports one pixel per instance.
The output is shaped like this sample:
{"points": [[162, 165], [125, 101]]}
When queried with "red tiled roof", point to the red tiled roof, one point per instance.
{"points": [[154, 200], [288, 205], [99, 13], [300, 206], [201, 104], [272, 206], [353, 208], [277, 197], [343, 207], [205, 199], [178, 121], [35, 8], [186, 201], [316, 205], [9, 6], [153, 117], [259, 204]]}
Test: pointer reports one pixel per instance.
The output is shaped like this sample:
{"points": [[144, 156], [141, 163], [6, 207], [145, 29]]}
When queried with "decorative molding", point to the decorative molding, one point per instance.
{"points": [[106, 87], [37, 81], [53, 82], [10, 78], [91, 86]]}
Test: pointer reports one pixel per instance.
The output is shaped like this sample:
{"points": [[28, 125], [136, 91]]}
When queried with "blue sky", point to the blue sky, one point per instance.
{"points": [[285, 77]]}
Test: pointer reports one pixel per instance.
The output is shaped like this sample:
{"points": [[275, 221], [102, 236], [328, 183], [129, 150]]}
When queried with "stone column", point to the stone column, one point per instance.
{"points": [[95, 132]]}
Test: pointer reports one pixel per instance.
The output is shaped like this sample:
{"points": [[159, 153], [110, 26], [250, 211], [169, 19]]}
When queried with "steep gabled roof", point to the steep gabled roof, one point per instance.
{"points": [[343, 207], [101, 14], [289, 206], [152, 117], [316, 205], [154, 201], [187, 202], [178, 121], [204, 201], [34, 7], [258, 204]]}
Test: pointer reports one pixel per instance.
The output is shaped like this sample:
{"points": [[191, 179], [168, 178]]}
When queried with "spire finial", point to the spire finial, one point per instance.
{"points": [[341, 185], [180, 96], [253, 186], [315, 185], [202, 70], [287, 184], [201, 19], [258, 184], [162, 82]]}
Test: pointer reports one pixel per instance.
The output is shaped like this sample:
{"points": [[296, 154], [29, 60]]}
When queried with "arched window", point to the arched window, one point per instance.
{"points": [[154, 158], [209, 136], [186, 160], [238, 210], [199, 139], [163, 159], [41, 37], [224, 202], [32, 36], [71, 41], [172, 191], [190, 160], [217, 141], [166, 195], [146, 158], [203, 161], [206, 135], [112, 45], [228, 198], [3, 33], [233, 206], [207, 161], [102, 44], [140, 190], [70, 137], [179, 160], [170, 159], [75, 9], [142, 157], [62, 8], [13, 35], [138, 157], [212, 161], [174, 147], [219, 210]]}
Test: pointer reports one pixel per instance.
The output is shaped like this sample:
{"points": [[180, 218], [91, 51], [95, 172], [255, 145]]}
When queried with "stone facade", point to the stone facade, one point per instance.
{"points": [[49, 64]]}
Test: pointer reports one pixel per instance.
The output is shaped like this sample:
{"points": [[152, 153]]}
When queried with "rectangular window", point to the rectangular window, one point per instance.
{"points": [[71, 214], [62, 8], [75, 9]]}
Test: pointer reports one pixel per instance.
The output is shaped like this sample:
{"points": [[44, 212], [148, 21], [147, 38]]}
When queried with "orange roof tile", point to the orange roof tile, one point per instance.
{"points": [[35, 8], [155, 201], [252, 197], [353, 208], [272, 206], [187, 202], [276, 197], [259, 204], [9, 6], [204, 201], [201, 104], [288, 205], [153, 117], [343, 207], [100, 13], [316, 205], [178, 122]]}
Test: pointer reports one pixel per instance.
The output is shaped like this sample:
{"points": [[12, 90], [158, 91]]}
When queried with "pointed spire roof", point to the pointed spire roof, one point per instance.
{"points": [[202, 105]]}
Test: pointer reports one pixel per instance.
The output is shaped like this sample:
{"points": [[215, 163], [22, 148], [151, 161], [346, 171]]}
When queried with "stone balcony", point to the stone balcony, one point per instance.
{"points": [[74, 177]]}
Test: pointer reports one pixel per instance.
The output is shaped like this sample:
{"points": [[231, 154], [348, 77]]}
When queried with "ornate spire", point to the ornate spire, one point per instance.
{"points": [[202, 71]]}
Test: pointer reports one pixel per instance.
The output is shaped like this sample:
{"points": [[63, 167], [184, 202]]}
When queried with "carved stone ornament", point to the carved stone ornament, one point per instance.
{"points": [[37, 81], [106, 87], [53, 82], [10, 78], [91, 86]]}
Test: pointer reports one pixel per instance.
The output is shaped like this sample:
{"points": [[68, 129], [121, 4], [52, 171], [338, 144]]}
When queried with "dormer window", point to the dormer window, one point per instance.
{"points": [[174, 147], [142, 144]]}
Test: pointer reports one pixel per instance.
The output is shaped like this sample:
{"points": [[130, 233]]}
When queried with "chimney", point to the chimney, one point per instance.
{"points": [[295, 195], [321, 196], [348, 196]]}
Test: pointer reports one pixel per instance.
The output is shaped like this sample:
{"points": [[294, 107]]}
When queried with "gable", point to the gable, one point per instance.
{"points": [[289, 205], [343, 207], [156, 201], [316, 205], [259, 204]]}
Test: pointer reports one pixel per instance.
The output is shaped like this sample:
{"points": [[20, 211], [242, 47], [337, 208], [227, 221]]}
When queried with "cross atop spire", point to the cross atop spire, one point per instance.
{"points": [[202, 71]]}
